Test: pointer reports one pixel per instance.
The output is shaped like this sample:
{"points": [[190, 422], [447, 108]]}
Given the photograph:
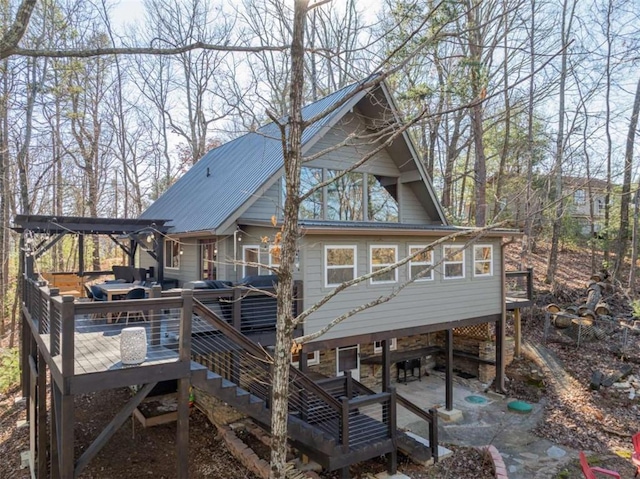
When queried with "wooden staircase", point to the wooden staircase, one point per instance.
{"points": [[335, 426]]}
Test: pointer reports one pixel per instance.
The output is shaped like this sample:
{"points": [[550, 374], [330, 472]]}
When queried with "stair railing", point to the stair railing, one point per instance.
{"points": [[226, 351]]}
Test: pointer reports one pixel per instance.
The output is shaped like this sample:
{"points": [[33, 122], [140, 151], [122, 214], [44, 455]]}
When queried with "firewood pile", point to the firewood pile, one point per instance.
{"points": [[592, 319]]}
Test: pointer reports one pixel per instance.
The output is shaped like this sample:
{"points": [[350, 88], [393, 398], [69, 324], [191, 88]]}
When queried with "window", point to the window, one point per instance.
{"points": [[339, 264], [377, 346], [345, 196], [380, 257], [420, 262], [482, 260], [453, 261], [599, 206], [208, 253], [382, 202], [579, 197], [313, 358], [311, 208], [172, 253], [250, 254], [274, 257]]}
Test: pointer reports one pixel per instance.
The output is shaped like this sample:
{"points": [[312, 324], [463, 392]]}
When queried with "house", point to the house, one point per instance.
{"points": [[587, 201], [221, 210]]}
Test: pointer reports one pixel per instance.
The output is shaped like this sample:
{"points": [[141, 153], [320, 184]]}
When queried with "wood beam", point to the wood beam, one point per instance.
{"points": [[182, 439], [111, 428], [517, 327], [43, 442], [81, 255], [386, 365], [43, 248]]}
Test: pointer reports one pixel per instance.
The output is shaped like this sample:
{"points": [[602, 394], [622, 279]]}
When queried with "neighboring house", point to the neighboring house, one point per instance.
{"points": [[222, 208], [585, 193]]}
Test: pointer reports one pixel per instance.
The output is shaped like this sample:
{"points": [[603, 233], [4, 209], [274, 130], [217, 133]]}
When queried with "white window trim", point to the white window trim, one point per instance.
{"points": [[271, 263], [244, 265], [395, 271], [392, 347], [445, 262], [412, 263], [327, 267], [310, 362], [476, 260], [170, 241]]}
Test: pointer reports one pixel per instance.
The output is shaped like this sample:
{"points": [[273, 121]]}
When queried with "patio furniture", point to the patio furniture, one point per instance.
{"points": [[635, 457], [589, 471], [135, 293], [97, 294]]}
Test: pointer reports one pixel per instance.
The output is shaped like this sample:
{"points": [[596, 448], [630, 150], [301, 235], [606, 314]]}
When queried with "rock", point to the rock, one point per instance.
{"points": [[555, 452], [623, 385], [632, 393]]}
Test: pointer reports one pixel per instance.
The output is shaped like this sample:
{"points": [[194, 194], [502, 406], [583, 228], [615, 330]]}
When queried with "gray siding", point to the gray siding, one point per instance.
{"points": [[425, 302], [380, 164], [411, 210], [267, 205]]}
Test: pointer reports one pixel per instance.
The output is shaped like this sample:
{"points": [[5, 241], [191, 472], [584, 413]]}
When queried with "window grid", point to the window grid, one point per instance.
{"points": [[313, 359], [171, 254], [391, 276], [421, 261], [330, 269], [250, 254], [453, 262], [483, 260]]}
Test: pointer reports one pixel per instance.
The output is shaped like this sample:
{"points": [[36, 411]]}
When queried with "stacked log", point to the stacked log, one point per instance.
{"points": [[578, 321]]}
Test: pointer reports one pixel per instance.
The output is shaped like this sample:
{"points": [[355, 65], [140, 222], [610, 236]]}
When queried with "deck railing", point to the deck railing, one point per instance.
{"points": [[519, 284], [351, 421]]}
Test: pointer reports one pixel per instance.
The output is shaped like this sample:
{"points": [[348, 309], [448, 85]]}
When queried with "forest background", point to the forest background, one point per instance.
{"points": [[515, 98]]}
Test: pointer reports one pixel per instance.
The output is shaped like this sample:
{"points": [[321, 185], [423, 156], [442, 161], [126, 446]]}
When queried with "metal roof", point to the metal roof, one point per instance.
{"points": [[229, 175]]}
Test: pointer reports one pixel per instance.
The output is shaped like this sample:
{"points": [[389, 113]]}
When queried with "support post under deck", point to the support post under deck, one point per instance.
{"points": [[449, 369]]}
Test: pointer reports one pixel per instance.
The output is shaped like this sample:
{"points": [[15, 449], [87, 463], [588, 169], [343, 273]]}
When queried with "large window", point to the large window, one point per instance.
{"points": [[208, 254], [339, 264], [380, 257], [382, 199], [345, 197], [250, 254], [171, 254], [311, 208], [453, 261], [579, 197], [482, 260], [421, 262]]}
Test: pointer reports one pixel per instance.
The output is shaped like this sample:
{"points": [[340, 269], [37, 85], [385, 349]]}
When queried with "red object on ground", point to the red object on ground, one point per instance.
{"points": [[589, 472], [635, 457]]}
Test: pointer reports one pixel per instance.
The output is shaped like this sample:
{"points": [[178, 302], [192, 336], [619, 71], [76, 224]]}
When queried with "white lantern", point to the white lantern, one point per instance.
{"points": [[133, 345]]}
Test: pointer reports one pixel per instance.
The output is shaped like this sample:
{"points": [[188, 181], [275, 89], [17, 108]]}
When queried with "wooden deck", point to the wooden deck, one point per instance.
{"points": [[99, 352]]}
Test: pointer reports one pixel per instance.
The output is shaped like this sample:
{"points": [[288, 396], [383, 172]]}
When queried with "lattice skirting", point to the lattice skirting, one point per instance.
{"points": [[482, 331]]}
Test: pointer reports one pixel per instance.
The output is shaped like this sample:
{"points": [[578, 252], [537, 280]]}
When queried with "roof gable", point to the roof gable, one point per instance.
{"points": [[228, 178]]}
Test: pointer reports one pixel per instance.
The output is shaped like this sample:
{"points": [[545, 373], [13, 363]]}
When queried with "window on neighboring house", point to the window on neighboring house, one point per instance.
{"points": [[599, 205], [377, 346], [172, 254], [382, 199], [313, 358], [420, 262], [482, 260], [339, 264], [208, 254], [453, 261], [380, 257], [579, 197], [345, 196], [250, 254]]}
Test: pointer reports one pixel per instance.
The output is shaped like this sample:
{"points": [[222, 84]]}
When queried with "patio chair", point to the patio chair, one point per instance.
{"points": [[88, 292], [98, 294], [135, 293], [589, 471], [635, 457]]}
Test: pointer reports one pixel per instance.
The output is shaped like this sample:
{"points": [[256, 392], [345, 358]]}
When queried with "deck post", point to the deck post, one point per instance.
{"points": [[500, 355], [54, 346], [344, 434], [433, 433], [348, 384], [156, 292], [182, 440], [517, 329], [386, 366], [449, 369], [67, 330], [237, 308], [43, 443], [392, 457]]}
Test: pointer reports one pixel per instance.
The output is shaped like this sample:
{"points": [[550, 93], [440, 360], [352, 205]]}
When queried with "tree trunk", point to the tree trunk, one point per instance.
{"points": [[634, 246], [623, 234], [292, 144]]}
